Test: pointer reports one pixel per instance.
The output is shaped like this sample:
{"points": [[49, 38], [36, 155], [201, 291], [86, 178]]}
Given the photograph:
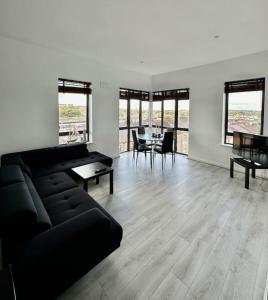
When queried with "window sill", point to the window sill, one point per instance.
{"points": [[226, 145]]}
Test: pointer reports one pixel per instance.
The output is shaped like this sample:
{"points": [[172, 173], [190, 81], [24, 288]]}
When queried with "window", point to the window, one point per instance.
{"points": [[169, 113], [157, 113], [183, 114], [133, 112], [73, 99], [123, 113], [183, 126], [145, 113], [171, 110], [244, 107]]}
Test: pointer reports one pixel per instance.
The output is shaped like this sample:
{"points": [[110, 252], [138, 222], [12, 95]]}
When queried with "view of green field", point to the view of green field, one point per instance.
{"points": [[244, 120], [72, 114], [244, 113]]}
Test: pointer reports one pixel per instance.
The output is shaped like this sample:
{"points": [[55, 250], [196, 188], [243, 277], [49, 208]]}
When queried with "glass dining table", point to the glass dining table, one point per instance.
{"points": [[148, 137]]}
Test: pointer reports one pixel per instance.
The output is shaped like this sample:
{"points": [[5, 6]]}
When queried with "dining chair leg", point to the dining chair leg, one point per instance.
{"points": [[162, 160], [151, 159], [133, 154]]}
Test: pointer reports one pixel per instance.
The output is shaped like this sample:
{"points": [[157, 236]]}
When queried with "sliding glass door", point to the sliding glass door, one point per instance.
{"points": [[132, 114], [171, 110]]}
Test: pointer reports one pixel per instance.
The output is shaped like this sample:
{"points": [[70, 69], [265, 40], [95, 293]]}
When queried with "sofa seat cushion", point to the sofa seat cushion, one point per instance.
{"points": [[68, 164], [66, 205], [53, 184], [10, 174]]}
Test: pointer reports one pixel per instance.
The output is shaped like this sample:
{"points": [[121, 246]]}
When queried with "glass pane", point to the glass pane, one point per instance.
{"points": [[134, 112], [123, 140], [157, 113], [72, 116], [145, 112], [229, 139], [122, 113], [182, 141], [169, 113], [148, 130], [245, 112], [183, 113]]}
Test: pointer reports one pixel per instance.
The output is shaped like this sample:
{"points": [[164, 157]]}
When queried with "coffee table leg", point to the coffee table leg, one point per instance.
{"points": [[85, 185], [231, 168], [97, 180], [112, 182], [247, 178]]}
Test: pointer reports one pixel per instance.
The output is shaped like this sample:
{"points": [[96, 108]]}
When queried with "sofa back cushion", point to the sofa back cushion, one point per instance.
{"points": [[18, 216], [72, 151], [10, 174], [21, 209], [16, 159], [43, 220], [45, 156], [38, 157]]}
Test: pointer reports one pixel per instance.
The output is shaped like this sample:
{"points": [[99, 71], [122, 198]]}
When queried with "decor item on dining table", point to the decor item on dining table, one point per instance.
{"points": [[156, 135]]}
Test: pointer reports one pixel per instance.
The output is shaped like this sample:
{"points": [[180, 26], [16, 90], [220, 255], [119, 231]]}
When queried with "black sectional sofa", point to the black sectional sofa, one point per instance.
{"points": [[52, 231]]}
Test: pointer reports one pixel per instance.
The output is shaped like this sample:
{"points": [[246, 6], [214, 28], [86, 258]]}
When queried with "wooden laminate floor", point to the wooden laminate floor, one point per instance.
{"points": [[190, 232]]}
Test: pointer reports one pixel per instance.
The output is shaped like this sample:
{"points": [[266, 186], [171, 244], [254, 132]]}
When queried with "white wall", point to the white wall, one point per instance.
{"points": [[206, 85], [28, 97], [29, 101]]}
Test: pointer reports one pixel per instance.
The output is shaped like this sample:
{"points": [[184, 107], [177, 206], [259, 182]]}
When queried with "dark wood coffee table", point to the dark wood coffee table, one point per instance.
{"points": [[90, 171]]}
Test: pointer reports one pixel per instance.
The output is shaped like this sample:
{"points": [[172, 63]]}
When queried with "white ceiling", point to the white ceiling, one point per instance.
{"points": [[165, 34]]}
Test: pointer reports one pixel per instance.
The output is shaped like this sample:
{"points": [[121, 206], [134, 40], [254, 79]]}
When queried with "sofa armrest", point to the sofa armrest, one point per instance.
{"points": [[70, 237]]}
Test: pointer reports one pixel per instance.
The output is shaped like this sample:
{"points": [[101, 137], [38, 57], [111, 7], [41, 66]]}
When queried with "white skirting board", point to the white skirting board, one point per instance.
{"points": [[208, 162], [237, 168]]}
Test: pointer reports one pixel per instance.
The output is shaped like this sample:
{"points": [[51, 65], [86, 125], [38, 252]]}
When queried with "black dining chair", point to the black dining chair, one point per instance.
{"points": [[166, 147], [138, 147], [174, 135], [168, 130], [141, 130]]}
